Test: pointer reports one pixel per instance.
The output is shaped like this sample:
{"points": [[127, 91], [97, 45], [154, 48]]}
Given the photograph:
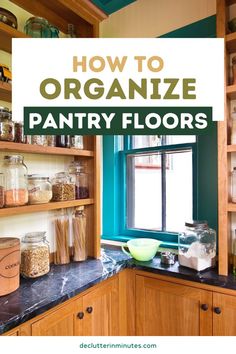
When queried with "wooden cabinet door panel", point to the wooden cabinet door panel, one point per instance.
{"points": [[168, 309], [58, 323], [104, 318], [224, 324]]}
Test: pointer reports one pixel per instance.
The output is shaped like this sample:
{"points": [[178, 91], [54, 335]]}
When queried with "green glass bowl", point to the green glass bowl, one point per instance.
{"points": [[142, 249]]}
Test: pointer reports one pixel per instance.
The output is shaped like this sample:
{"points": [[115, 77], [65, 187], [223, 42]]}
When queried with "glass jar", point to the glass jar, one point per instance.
{"points": [[77, 142], [62, 187], [51, 140], [197, 246], [16, 182], [81, 180], [39, 189], [6, 125], [79, 235], [39, 140], [37, 27], [35, 255], [63, 141], [2, 188], [61, 237], [19, 132], [54, 31]]}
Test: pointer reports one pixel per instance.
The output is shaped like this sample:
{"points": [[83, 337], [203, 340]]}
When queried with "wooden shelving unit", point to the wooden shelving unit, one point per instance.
{"points": [[6, 35], [86, 17], [5, 91], [44, 150], [27, 209], [231, 92]]}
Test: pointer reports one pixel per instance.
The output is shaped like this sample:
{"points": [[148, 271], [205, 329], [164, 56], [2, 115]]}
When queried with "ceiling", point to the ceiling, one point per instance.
{"points": [[110, 6]]}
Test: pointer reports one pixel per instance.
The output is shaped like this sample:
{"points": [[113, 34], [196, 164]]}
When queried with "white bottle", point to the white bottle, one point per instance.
{"points": [[233, 129]]}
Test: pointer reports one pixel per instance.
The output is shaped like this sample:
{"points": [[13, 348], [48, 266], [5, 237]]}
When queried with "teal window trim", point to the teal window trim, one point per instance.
{"points": [[205, 164]]}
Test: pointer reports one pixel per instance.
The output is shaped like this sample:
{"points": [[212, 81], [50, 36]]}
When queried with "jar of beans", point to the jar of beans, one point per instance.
{"points": [[62, 187], [16, 182], [6, 125]]}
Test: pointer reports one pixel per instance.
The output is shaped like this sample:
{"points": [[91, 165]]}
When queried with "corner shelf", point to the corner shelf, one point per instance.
{"points": [[6, 35], [44, 150], [231, 92], [27, 209], [5, 91]]}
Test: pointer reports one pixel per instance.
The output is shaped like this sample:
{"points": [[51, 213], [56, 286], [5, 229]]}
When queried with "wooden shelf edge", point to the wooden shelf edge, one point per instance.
{"points": [[5, 91], [230, 2], [231, 91], [44, 150], [231, 148], [27, 209]]}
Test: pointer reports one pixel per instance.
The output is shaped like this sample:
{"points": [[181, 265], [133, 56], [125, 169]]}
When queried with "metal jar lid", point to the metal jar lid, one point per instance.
{"points": [[8, 242], [167, 257], [197, 223]]}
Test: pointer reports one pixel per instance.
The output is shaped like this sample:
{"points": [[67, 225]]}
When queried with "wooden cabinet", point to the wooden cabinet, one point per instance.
{"points": [[168, 309], [93, 314], [224, 315]]}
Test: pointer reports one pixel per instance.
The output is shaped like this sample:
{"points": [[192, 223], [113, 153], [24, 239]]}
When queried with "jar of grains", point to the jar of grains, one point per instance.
{"points": [[62, 187], [16, 182], [39, 140], [35, 255], [6, 125], [39, 189]]}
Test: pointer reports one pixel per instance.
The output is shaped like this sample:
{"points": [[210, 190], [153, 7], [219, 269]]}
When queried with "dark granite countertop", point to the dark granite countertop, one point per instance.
{"points": [[36, 296]]}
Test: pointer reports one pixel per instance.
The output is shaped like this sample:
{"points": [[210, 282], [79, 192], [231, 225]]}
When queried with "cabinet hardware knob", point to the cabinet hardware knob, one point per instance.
{"points": [[89, 309], [204, 307], [80, 315], [217, 310]]}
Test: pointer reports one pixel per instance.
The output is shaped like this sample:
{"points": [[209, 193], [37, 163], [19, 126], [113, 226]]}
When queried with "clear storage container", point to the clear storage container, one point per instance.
{"points": [[61, 237], [35, 255], [40, 189], [197, 246], [81, 179], [77, 142], [37, 27], [79, 235], [6, 125], [62, 187], [39, 140], [16, 181]]}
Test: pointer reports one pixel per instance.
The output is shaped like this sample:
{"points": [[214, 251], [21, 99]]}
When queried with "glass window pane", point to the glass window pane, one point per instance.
{"points": [[179, 190], [144, 192], [143, 141]]}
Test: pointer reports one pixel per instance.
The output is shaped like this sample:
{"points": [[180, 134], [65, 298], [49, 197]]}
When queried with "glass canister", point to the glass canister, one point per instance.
{"points": [[37, 27], [39, 140], [16, 181], [62, 187], [77, 142], [197, 246], [79, 235], [2, 188], [51, 140], [35, 255], [39, 189], [19, 132], [81, 179], [61, 237], [63, 141], [6, 125]]}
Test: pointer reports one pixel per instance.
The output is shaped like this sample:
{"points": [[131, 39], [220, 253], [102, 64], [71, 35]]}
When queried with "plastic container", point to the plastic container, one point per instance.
{"points": [[9, 265], [197, 246], [6, 125], [79, 235], [35, 255], [16, 182], [62, 187], [40, 189], [61, 237]]}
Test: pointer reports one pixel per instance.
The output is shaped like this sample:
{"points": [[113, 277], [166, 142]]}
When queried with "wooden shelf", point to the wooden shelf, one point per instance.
{"points": [[231, 2], [231, 207], [230, 40], [44, 150], [6, 35], [231, 148], [231, 92], [26, 209], [5, 91]]}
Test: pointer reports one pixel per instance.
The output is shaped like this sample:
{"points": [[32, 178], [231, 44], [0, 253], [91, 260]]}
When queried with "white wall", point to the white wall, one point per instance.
{"points": [[152, 18]]}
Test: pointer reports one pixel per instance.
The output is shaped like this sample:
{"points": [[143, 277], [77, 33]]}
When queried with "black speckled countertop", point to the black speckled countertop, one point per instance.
{"points": [[63, 282]]}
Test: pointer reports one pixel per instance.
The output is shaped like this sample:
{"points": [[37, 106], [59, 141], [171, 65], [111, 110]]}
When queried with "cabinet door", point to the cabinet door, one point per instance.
{"points": [[168, 309], [224, 315], [101, 310], [58, 323]]}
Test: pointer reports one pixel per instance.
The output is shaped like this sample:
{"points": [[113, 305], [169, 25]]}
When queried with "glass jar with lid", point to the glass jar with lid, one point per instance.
{"points": [[39, 140], [77, 142], [39, 189], [6, 125], [16, 181], [197, 246], [19, 132], [79, 235], [35, 255], [62, 187], [81, 179], [61, 237], [37, 27]]}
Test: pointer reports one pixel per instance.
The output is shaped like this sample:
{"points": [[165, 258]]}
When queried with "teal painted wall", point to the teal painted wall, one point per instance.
{"points": [[110, 6]]}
